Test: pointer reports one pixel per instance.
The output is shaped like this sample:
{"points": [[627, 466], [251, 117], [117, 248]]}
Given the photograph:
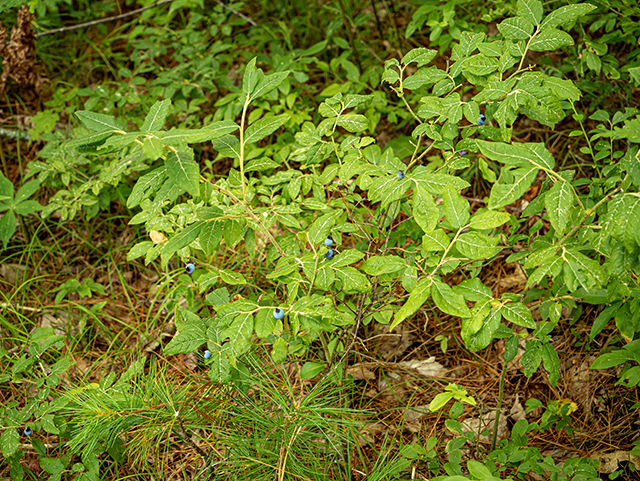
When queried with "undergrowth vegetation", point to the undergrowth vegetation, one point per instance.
{"points": [[320, 240]]}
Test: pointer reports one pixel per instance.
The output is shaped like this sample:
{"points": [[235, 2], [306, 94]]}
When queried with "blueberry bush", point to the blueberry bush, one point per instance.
{"points": [[286, 224]]}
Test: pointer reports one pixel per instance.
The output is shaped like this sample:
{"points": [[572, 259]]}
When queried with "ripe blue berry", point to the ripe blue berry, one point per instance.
{"points": [[328, 241], [190, 268], [481, 119], [329, 254], [400, 174], [207, 354], [28, 431], [463, 152], [278, 313]]}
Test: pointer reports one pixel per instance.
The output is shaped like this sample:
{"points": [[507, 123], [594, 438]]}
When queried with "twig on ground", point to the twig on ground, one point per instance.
{"points": [[102, 20]]}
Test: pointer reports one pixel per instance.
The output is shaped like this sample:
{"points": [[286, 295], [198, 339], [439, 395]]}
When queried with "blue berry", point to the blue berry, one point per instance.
{"points": [[400, 174], [329, 254], [463, 152], [328, 241], [278, 313], [207, 354], [190, 268], [481, 119], [28, 431]]}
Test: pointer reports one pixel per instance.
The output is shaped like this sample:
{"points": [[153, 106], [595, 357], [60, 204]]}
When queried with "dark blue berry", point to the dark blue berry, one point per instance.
{"points": [[190, 268], [400, 174], [28, 431], [481, 119], [329, 254], [278, 313], [463, 152], [328, 241], [207, 354]]}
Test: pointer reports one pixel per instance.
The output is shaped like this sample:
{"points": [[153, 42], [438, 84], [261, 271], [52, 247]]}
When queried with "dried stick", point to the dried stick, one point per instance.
{"points": [[128, 14]]}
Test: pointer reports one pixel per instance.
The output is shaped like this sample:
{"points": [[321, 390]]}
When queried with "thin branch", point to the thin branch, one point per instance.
{"points": [[129, 14], [235, 12], [5, 305], [103, 20]]}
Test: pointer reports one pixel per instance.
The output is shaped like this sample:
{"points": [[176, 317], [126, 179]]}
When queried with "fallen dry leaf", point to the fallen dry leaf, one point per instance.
{"points": [[12, 272], [609, 462], [394, 344], [416, 412], [360, 373], [517, 412], [487, 421], [368, 433], [517, 279], [424, 367], [19, 55], [157, 237]]}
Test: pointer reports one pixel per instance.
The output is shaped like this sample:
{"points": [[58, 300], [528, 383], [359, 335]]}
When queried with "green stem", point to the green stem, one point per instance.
{"points": [[446, 251], [313, 279], [558, 177], [592, 210], [253, 216], [424, 152], [241, 159], [499, 406], [526, 49], [401, 95], [584, 132]]}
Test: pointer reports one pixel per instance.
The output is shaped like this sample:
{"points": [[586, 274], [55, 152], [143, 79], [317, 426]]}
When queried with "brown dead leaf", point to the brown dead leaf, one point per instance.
{"points": [[81, 364], [581, 386], [34, 465], [516, 280], [609, 462], [487, 421], [424, 367], [360, 373], [369, 432], [416, 412], [19, 55], [517, 412], [60, 324], [12, 272], [393, 343]]}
